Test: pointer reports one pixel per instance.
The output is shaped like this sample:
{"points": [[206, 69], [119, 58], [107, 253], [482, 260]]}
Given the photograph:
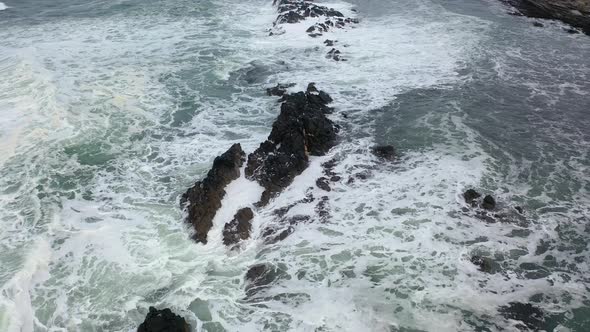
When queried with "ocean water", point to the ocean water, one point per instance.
{"points": [[111, 109]]}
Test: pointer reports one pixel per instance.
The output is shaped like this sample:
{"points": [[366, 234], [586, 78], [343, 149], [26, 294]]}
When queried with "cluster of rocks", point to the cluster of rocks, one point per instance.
{"points": [[301, 130], [295, 11], [573, 12]]}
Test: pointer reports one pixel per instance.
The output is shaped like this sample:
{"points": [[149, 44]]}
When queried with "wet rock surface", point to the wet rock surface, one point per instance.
{"points": [[163, 321], [302, 129], [573, 12], [204, 199], [239, 228]]}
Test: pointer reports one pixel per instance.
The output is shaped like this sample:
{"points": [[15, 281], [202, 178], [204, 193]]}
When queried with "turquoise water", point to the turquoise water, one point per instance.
{"points": [[111, 109]]}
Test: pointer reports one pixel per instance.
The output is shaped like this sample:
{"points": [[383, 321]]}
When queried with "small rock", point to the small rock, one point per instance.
{"points": [[322, 183], [538, 24], [489, 203], [519, 209], [329, 42], [163, 321], [470, 196]]}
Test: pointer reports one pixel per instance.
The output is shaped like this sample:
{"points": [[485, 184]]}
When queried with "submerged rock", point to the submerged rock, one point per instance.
{"points": [[301, 129], [386, 152], [204, 198], [163, 321], [260, 276], [239, 228], [484, 264], [528, 314]]}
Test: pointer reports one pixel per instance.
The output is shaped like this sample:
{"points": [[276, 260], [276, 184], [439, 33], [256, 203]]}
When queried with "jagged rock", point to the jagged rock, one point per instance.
{"points": [[386, 152], [279, 90], [471, 196], [163, 321], [301, 129], [489, 203], [204, 198], [239, 228]]}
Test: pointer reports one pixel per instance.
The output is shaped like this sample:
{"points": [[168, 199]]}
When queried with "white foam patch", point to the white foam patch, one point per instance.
{"points": [[3, 6]]}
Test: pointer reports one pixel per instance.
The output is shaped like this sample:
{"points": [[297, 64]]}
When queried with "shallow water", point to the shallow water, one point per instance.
{"points": [[111, 109]]}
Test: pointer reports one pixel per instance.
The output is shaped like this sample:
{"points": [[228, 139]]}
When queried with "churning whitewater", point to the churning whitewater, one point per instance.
{"points": [[112, 109]]}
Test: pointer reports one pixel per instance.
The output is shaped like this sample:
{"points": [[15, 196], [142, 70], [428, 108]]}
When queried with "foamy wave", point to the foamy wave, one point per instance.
{"points": [[3, 6]]}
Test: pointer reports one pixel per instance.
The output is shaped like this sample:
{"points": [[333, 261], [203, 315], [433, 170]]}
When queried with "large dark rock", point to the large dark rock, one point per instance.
{"points": [[301, 129], [163, 321], [573, 12], [204, 198], [239, 228], [489, 203]]}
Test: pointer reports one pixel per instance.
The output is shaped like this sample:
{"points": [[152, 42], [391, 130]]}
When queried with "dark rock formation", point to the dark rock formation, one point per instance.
{"points": [[301, 129], [471, 196], [239, 228], [163, 321], [489, 203], [279, 90], [386, 152], [573, 12], [204, 198]]}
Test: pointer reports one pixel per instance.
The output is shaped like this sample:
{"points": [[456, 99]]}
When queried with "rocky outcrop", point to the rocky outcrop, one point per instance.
{"points": [[302, 129], [573, 12], [163, 321], [239, 228], [204, 199], [295, 11]]}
